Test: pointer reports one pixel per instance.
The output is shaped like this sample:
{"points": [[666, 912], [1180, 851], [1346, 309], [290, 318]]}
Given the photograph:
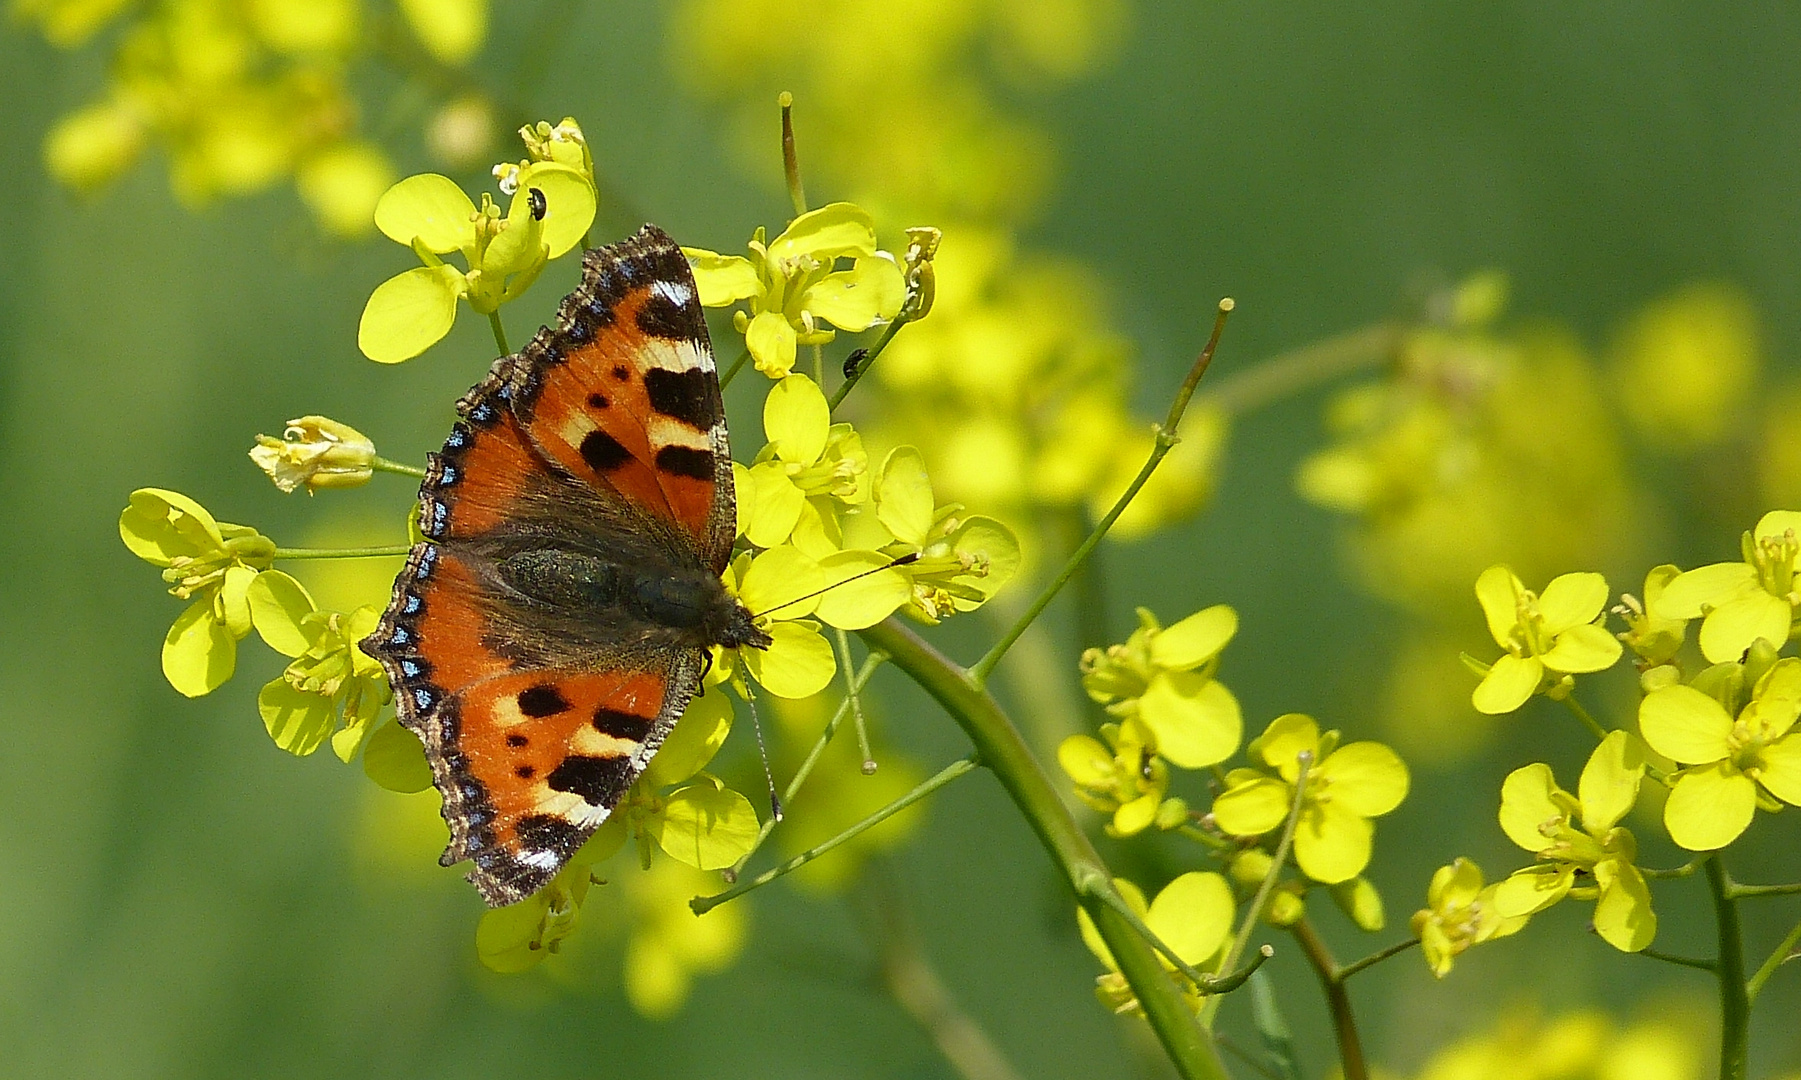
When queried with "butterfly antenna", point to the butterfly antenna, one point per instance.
{"points": [[905, 560], [775, 801]]}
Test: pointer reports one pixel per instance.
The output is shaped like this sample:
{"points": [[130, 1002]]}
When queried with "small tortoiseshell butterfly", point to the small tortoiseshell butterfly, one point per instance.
{"points": [[544, 640]]}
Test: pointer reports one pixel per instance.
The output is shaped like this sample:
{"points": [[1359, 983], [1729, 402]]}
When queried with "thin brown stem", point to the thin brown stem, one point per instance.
{"points": [[1344, 1021]]}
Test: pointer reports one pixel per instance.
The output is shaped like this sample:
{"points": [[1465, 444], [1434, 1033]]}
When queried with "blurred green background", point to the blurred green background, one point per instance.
{"points": [[178, 898]]}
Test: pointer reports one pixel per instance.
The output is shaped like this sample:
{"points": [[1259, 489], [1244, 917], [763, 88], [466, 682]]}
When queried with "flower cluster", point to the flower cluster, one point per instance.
{"points": [[239, 96]]}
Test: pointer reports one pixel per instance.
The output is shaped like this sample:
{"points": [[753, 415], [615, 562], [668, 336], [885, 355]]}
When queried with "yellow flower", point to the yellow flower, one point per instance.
{"points": [[1192, 915], [1743, 601], [1580, 848], [317, 452], [794, 286], [1650, 631], [1686, 364], [1122, 777], [1733, 762], [668, 945], [1164, 678], [807, 457], [1460, 912], [799, 662], [1558, 633], [1346, 786], [702, 822]]}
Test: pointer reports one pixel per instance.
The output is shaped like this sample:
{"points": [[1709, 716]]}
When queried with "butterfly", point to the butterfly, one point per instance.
{"points": [[548, 633]]}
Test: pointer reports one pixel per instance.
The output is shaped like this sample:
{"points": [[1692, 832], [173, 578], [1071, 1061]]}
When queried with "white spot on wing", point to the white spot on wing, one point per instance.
{"points": [[543, 860], [673, 291]]}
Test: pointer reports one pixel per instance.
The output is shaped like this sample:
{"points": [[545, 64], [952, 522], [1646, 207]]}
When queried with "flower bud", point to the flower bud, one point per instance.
{"points": [[1286, 907], [318, 452]]}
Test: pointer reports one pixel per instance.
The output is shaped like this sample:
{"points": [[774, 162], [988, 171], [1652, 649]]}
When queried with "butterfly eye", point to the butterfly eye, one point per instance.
{"points": [[535, 199]]}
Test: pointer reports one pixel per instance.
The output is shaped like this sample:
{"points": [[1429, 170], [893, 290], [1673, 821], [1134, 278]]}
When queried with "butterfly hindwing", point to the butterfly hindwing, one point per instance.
{"points": [[537, 717]]}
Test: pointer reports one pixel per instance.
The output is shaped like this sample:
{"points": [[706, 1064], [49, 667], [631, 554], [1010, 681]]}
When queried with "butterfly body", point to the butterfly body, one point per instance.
{"points": [[555, 624]]}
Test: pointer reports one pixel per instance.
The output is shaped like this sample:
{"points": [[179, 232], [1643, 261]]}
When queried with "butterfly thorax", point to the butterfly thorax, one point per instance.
{"points": [[688, 603]]}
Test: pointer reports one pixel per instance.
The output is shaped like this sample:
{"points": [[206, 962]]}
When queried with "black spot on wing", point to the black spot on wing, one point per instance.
{"points": [[598, 781], [621, 725], [524, 772], [689, 396], [602, 452], [598, 401], [621, 372], [542, 700], [659, 316], [516, 739], [686, 461]]}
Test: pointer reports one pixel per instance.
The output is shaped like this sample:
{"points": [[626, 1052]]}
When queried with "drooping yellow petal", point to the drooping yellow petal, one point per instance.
{"points": [[722, 279], [835, 229], [1609, 784], [297, 720], [1572, 600], [1685, 725], [1197, 721], [429, 208], [771, 342], [1582, 649], [1527, 806], [409, 313], [1623, 916], [1781, 769], [855, 299], [1193, 915], [1137, 815], [696, 737], [1087, 760], [904, 496], [1530, 891], [1710, 807], [1508, 684], [1331, 843], [1366, 778], [1734, 625], [1498, 591], [706, 826], [796, 420], [277, 604], [1195, 640], [199, 654]]}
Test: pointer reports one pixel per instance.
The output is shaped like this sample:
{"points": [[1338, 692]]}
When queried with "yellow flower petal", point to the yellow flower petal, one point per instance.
{"points": [[569, 202], [855, 299], [696, 737], [1332, 844], [1195, 640], [705, 826], [1571, 600], [798, 664], [1508, 684], [904, 496], [776, 579], [1253, 807], [1498, 591], [1734, 625], [409, 313], [1781, 769], [1776, 523], [771, 506], [1527, 805], [1623, 916], [160, 526], [723, 279], [1091, 936], [1087, 760], [1284, 739], [865, 601], [1685, 725], [277, 604], [1711, 585], [234, 600], [1777, 701], [1366, 778], [1136, 816], [1528, 892], [1710, 807], [796, 420], [199, 655], [429, 208], [1197, 721], [298, 721], [1609, 784], [771, 342], [835, 229], [1193, 915], [1582, 649]]}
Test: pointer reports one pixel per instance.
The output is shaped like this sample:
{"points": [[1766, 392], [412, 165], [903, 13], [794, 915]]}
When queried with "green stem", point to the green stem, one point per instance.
{"points": [[732, 372], [856, 704], [382, 464], [1685, 870], [1267, 885], [1776, 959], [1331, 977], [1594, 726], [1281, 376], [1208, 984], [1005, 753], [855, 375], [1375, 958], [797, 195], [500, 333], [1735, 891], [343, 553], [1166, 439], [1680, 961], [870, 663], [1735, 1000], [703, 904]]}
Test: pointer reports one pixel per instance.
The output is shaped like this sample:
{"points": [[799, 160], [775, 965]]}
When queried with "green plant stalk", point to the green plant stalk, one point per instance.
{"points": [[1588, 721], [1735, 998], [797, 192], [869, 359], [382, 464], [703, 904], [1004, 752], [343, 553], [500, 334], [732, 372], [1284, 375], [851, 695], [1735, 891], [1375, 958], [1166, 441], [1680, 961], [1775, 960], [1338, 1000]]}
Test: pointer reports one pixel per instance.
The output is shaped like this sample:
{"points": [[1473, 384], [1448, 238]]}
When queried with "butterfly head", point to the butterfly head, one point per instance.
{"points": [[734, 627]]}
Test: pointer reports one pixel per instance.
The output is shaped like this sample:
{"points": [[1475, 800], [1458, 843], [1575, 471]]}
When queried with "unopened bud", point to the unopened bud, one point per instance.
{"points": [[317, 452]]}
